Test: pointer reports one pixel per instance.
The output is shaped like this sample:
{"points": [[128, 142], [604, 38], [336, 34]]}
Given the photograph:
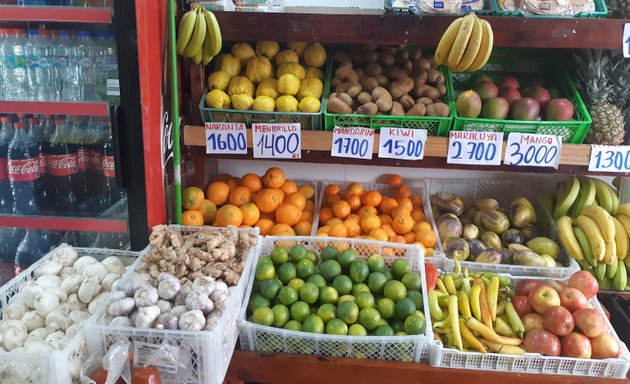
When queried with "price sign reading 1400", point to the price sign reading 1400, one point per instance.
{"points": [[226, 138], [475, 148], [533, 150], [277, 141], [352, 142], [608, 158]]}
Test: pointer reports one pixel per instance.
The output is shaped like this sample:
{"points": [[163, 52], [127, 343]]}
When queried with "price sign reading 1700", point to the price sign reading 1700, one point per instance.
{"points": [[277, 141], [356, 143], [226, 138], [479, 148]]}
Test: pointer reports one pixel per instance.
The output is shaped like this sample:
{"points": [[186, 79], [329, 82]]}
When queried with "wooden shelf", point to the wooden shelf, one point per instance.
{"points": [[56, 14], [426, 30]]}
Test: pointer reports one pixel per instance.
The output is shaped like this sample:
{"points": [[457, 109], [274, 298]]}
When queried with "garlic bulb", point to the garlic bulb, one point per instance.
{"points": [[29, 291], [67, 271], [82, 262], [61, 294], [147, 316], [167, 321], [49, 281], [192, 321], [78, 316], [72, 283], [98, 302], [5, 325], [165, 306], [220, 299], [95, 269], [37, 347], [136, 281], [65, 308], [163, 276], [204, 283], [120, 321], [89, 288], [67, 255], [168, 287], [57, 340], [114, 265], [48, 267], [199, 300], [57, 321], [133, 316], [180, 298], [146, 296], [221, 286], [74, 330], [109, 280], [33, 320], [121, 307], [74, 303], [13, 338], [46, 302], [179, 310], [41, 333], [212, 320], [14, 311]]}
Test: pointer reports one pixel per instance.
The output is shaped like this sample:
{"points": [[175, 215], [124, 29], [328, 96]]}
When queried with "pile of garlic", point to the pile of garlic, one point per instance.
{"points": [[142, 301]]}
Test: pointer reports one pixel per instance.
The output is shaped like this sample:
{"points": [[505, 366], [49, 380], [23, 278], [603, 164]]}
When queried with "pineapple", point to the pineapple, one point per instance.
{"points": [[618, 8], [597, 90]]}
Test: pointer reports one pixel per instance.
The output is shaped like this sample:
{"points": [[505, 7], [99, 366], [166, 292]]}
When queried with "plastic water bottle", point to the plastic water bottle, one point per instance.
{"points": [[106, 65], [13, 66], [87, 52], [6, 134], [4, 36], [67, 69], [38, 68]]}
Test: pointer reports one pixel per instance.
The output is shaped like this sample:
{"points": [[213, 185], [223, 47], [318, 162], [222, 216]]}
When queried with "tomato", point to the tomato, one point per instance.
{"points": [[431, 276], [99, 376], [145, 375]]}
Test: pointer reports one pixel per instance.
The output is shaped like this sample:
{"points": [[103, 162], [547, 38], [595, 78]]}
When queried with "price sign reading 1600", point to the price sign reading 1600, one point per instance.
{"points": [[226, 138]]}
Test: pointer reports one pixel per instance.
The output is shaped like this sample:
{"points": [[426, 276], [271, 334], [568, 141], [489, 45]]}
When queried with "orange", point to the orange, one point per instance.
{"points": [[354, 201], [192, 198], [334, 221], [353, 218], [208, 210], [325, 229], [288, 213], [370, 222], [233, 183], [310, 205], [296, 199], [282, 230], [402, 224], [267, 200], [268, 215], [426, 237], [372, 199], [218, 192], [354, 189], [388, 230], [265, 226], [387, 205], [244, 226], [251, 213], [385, 219], [303, 228], [367, 211], [354, 229], [397, 239], [307, 216], [422, 225], [332, 189], [403, 191], [405, 202], [418, 215], [410, 237], [399, 211], [416, 201], [428, 251], [395, 180], [252, 182], [338, 230], [225, 177], [229, 215], [341, 209], [274, 178], [240, 196], [192, 217], [280, 194], [379, 234], [307, 191], [289, 187], [325, 214], [332, 199]]}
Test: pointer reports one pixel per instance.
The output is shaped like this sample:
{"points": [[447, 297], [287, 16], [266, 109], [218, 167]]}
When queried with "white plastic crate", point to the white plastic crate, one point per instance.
{"points": [[255, 337], [504, 191], [63, 366], [203, 357], [442, 356]]}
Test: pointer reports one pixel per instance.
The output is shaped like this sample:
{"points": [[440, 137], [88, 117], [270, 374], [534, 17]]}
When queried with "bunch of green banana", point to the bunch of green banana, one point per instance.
{"points": [[199, 35], [466, 45], [576, 192], [473, 312]]}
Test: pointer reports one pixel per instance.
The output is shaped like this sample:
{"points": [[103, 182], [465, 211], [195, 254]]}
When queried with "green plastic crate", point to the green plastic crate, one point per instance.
{"points": [[521, 65], [601, 11]]}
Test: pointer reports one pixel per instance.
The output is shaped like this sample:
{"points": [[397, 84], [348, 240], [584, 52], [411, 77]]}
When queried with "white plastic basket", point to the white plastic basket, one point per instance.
{"points": [[534, 363], [255, 337], [62, 366], [504, 191], [203, 357]]}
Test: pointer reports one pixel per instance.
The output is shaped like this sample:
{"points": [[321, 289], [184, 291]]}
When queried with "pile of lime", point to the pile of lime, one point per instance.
{"points": [[336, 293]]}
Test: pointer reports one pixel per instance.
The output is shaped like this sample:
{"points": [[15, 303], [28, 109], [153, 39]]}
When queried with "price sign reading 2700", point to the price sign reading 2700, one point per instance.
{"points": [[226, 138], [475, 148], [277, 141]]}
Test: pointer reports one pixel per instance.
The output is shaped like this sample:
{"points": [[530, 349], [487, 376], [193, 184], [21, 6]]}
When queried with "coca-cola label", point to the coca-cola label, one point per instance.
{"points": [[42, 163], [83, 159], [62, 165], [96, 160], [3, 169], [108, 167], [23, 170]]}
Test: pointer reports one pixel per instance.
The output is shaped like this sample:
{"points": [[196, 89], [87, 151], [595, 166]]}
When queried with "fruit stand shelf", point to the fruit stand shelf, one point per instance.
{"points": [[270, 368], [55, 108], [426, 30], [56, 14], [64, 223]]}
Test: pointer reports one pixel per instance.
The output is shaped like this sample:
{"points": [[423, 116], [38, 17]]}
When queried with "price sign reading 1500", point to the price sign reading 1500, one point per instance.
{"points": [[607, 158], [277, 141], [480, 148], [352, 142], [226, 138], [533, 150], [402, 143]]}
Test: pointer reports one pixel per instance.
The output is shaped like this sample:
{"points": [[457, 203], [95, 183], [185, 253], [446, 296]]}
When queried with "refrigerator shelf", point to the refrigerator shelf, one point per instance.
{"points": [[64, 223], [56, 14], [55, 107]]}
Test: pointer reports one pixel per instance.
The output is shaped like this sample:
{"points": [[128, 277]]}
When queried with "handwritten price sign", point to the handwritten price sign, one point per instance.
{"points": [[401, 143], [277, 141], [226, 138], [609, 158], [479, 148], [626, 40], [533, 150], [355, 143]]}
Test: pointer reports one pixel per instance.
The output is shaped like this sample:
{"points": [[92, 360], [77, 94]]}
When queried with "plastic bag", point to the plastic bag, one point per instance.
{"points": [[115, 363], [511, 5], [582, 6], [549, 7], [445, 7], [219, 5], [472, 5]]}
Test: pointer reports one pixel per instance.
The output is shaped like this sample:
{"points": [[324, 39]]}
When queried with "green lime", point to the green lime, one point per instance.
{"points": [[327, 312], [348, 312], [309, 293], [318, 280], [388, 274], [330, 269], [270, 288], [398, 326], [317, 271], [280, 315], [264, 260], [395, 290], [369, 318], [279, 255], [257, 301], [299, 311], [405, 308], [346, 258], [288, 295], [383, 322], [297, 253], [415, 325], [286, 272], [357, 330], [386, 307], [328, 295], [336, 327], [359, 271], [313, 324], [412, 280], [342, 284], [312, 256], [384, 330], [265, 271], [399, 268], [256, 286], [305, 268], [293, 325], [416, 296], [329, 253], [360, 287], [296, 283], [376, 281], [402, 333], [346, 298], [365, 300], [263, 316], [376, 263]]}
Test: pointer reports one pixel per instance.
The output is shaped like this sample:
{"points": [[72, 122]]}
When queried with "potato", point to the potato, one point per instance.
{"points": [[417, 110], [441, 109], [401, 87], [368, 109], [336, 105], [397, 109]]}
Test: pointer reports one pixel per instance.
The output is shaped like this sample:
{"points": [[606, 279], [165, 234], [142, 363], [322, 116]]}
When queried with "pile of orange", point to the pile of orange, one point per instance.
{"points": [[272, 203], [360, 213]]}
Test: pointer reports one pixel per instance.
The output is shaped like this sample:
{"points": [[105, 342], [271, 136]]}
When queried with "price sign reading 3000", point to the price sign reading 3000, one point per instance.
{"points": [[277, 141], [533, 150]]}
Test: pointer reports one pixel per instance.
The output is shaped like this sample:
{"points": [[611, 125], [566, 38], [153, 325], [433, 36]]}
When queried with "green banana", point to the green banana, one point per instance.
{"points": [[603, 195], [586, 196], [620, 280], [585, 245], [626, 261], [584, 265], [195, 46], [615, 200], [186, 29], [600, 271], [604, 283], [611, 269], [567, 194]]}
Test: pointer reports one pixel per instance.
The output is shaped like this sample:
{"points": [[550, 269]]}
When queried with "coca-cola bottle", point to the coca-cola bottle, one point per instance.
{"points": [[35, 133], [99, 130], [6, 134], [46, 127], [112, 192], [9, 240], [77, 139], [35, 244], [62, 168], [23, 170]]}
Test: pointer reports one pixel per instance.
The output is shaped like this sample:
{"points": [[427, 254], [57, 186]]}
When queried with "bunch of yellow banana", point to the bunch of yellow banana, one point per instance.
{"points": [[473, 312], [575, 193], [199, 35], [466, 45]]}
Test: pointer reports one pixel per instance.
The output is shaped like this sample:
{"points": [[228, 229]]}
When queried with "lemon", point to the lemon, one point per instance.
{"points": [[287, 103], [288, 84], [269, 49], [242, 102], [310, 104], [218, 80], [315, 55], [268, 87], [264, 103], [314, 73], [311, 87], [286, 56], [292, 68], [218, 99]]}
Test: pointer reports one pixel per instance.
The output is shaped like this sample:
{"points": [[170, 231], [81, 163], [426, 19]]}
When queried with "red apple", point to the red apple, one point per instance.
{"points": [[585, 282], [590, 322], [558, 320], [532, 322], [523, 287], [522, 306], [573, 299], [543, 297], [576, 345], [543, 342], [555, 284], [604, 347]]}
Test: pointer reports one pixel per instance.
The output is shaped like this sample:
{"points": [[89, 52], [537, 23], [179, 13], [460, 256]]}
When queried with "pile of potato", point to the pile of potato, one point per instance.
{"points": [[387, 80]]}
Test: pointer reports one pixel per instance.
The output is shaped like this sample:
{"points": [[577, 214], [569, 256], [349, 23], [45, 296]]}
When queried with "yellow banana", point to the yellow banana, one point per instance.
{"points": [[195, 47], [472, 48], [446, 42], [186, 29], [595, 238], [461, 41], [624, 209], [217, 39], [567, 237], [197, 57], [621, 239], [625, 221], [487, 41], [603, 220]]}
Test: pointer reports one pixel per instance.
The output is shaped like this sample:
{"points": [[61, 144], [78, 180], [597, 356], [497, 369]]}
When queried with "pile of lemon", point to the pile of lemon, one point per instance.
{"points": [[268, 79]]}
